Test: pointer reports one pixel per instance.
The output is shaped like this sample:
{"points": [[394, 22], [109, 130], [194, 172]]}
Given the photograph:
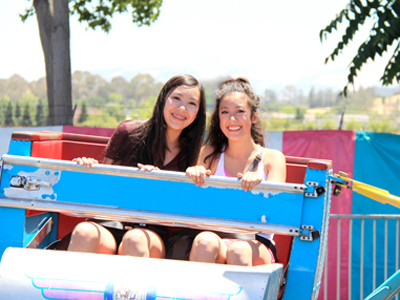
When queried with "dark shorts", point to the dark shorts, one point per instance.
{"points": [[178, 243], [117, 229]]}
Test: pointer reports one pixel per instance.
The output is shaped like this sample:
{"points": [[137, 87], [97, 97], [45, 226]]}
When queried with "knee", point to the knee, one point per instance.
{"points": [[206, 248], [86, 232], [84, 238], [239, 253], [135, 243], [206, 240]]}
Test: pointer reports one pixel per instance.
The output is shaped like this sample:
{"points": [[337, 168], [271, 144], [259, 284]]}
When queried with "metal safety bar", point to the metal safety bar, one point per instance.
{"points": [[128, 215], [214, 181]]}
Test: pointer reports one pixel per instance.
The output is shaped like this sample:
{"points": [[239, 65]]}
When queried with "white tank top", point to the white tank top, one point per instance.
{"points": [[221, 171]]}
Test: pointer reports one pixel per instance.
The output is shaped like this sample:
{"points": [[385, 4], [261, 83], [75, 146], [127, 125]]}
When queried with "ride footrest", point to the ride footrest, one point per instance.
{"points": [[46, 274]]}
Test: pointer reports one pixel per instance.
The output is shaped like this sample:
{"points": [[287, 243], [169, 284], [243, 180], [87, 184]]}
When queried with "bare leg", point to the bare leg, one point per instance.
{"points": [[248, 253], [142, 243], [92, 238], [208, 247]]}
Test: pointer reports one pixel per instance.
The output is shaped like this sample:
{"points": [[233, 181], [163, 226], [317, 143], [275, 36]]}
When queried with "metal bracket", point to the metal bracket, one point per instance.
{"points": [[28, 183], [313, 189], [41, 234], [311, 235]]}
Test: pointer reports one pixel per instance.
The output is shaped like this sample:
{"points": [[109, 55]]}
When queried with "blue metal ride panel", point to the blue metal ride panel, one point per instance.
{"points": [[306, 257], [13, 224], [18, 147], [163, 196]]}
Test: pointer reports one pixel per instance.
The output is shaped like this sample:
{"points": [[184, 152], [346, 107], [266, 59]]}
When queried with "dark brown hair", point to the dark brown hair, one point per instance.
{"points": [[216, 138], [147, 144]]}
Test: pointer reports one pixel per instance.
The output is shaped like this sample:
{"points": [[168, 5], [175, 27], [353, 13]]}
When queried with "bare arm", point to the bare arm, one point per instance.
{"points": [[199, 172], [275, 166]]}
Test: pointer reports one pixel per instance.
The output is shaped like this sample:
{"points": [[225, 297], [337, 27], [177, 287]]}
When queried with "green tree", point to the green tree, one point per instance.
{"points": [[141, 87], [101, 120], [300, 114], [310, 125], [8, 118], [312, 101], [381, 126], [353, 125], [26, 119], [115, 110], [145, 111], [84, 114], [3, 107], [17, 111], [277, 124], [119, 85], [385, 32], [53, 20], [328, 124], [40, 115], [14, 87]]}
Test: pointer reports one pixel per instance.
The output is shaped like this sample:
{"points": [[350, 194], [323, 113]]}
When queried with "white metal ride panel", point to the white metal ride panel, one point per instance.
{"points": [[47, 274]]}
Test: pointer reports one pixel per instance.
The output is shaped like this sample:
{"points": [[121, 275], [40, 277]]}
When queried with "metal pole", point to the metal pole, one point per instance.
{"points": [[386, 248], [397, 250], [374, 254], [326, 275], [362, 261], [350, 248]]}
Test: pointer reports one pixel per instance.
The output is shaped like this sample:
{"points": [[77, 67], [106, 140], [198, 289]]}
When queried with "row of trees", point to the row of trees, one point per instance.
{"points": [[135, 93], [22, 114], [26, 114], [325, 97], [330, 121], [99, 102]]}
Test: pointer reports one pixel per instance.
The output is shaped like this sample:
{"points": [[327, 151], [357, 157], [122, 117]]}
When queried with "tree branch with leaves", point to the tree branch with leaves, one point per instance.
{"points": [[385, 32]]}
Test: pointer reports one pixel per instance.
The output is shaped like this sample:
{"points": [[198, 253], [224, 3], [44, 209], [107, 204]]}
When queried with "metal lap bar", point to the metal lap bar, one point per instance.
{"points": [[128, 215], [214, 181]]}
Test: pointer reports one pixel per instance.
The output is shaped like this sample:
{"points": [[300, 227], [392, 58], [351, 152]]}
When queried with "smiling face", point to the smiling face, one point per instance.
{"points": [[181, 107], [235, 116]]}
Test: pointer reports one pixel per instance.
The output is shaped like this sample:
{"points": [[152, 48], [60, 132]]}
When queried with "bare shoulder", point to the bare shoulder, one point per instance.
{"points": [[274, 165], [273, 155]]}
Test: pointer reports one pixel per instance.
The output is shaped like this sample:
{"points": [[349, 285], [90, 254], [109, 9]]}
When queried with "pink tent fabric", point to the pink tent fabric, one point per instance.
{"points": [[339, 146]]}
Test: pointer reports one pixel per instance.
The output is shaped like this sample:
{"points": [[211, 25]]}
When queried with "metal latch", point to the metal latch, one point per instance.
{"points": [[313, 189], [311, 235], [29, 183]]}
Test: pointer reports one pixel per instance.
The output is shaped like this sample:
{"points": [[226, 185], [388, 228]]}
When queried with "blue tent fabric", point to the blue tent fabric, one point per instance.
{"points": [[376, 162]]}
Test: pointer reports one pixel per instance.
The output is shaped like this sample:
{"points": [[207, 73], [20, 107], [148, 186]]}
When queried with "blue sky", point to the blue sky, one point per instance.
{"points": [[273, 43]]}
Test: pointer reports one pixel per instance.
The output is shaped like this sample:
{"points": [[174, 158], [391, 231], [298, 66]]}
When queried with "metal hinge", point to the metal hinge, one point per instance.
{"points": [[313, 189], [28, 183], [311, 235]]}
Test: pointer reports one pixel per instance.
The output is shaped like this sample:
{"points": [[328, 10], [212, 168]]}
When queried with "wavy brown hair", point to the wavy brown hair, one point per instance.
{"points": [[216, 138], [147, 144]]}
